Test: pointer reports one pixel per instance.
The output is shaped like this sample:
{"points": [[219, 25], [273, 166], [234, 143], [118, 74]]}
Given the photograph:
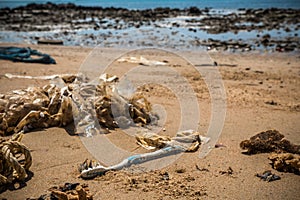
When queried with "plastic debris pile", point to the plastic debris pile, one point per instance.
{"points": [[58, 104]]}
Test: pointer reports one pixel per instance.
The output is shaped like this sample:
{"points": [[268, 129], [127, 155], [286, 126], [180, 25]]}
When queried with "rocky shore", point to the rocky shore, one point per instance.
{"points": [[242, 29]]}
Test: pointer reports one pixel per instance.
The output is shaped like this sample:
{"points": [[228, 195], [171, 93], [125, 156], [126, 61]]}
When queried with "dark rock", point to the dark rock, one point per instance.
{"points": [[194, 11]]}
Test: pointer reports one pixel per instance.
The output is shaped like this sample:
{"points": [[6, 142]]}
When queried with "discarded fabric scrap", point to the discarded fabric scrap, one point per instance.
{"points": [[18, 54]]}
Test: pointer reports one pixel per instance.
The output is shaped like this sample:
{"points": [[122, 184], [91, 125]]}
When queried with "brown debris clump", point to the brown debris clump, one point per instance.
{"points": [[286, 162], [80, 192], [285, 156], [68, 191], [269, 141], [15, 161]]}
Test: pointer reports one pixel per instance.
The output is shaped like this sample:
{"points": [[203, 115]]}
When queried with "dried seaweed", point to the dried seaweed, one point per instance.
{"points": [[285, 162], [267, 142]]}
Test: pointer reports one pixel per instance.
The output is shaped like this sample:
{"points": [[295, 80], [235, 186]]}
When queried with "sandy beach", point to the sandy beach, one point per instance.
{"points": [[262, 93]]}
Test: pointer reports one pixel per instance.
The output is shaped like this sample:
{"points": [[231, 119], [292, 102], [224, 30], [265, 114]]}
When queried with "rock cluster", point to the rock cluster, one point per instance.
{"points": [[69, 18]]}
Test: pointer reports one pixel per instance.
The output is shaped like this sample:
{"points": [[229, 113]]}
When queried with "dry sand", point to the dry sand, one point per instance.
{"points": [[251, 80]]}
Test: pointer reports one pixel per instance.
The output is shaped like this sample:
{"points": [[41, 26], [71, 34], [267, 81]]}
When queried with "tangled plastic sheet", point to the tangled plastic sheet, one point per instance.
{"points": [[15, 160], [69, 99]]}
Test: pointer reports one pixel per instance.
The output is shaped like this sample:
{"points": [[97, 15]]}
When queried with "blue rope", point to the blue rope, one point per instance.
{"points": [[17, 54]]}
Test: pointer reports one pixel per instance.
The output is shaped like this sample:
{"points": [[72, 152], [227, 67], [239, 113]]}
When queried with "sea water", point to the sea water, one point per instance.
{"points": [[146, 4]]}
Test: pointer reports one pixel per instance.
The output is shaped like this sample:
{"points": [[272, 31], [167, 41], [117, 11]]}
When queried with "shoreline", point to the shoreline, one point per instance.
{"points": [[261, 53], [192, 28]]}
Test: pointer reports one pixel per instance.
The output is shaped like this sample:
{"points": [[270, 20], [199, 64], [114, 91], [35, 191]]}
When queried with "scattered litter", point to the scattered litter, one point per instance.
{"points": [[99, 170], [185, 141], [141, 60], [189, 140], [17, 54], [107, 78], [268, 176], [65, 77], [286, 162], [67, 191], [15, 161], [269, 141]]}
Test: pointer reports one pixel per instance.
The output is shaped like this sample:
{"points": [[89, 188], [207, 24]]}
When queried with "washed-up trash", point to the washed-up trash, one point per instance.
{"points": [[286, 162], [13, 169], [18, 54], [268, 176], [68, 191], [141, 60], [58, 104], [98, 169], [68, 78], [107, 78], [185, 141], [189, 140], [269, 141]]}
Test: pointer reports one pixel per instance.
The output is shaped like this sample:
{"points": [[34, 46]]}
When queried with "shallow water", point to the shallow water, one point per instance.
{"points": [[182, 32], [160, 34]]}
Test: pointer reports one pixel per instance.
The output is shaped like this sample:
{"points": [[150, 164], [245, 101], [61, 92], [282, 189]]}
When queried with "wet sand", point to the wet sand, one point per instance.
{"points": [[252, 82]]}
